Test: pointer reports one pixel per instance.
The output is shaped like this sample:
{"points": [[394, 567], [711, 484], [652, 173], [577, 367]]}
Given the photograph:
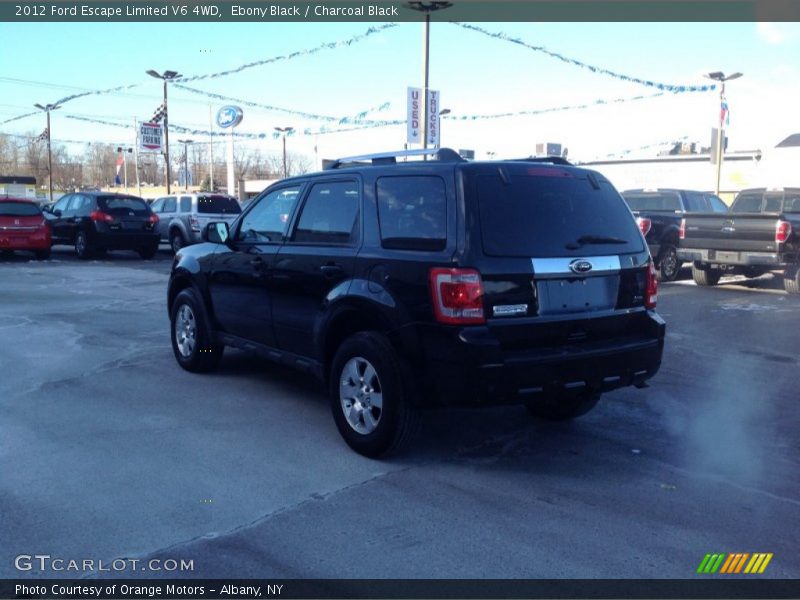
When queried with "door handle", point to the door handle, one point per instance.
{"points": [[331, 270]]}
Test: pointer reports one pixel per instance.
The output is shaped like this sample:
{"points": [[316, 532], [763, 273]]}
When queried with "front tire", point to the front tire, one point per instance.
{"points": [[669, 267], [191, 344], [148, 252], [707, 276], [563, 408], [82, 248], [369, 394]]}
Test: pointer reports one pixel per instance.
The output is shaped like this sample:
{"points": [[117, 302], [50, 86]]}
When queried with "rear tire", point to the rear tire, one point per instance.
{"points": [[563, 408], [370, 395], [43, 254], [191, 344], [148, 252], [82, 248], [707, 276], [669, 267], [176, 240], [791, 279]]}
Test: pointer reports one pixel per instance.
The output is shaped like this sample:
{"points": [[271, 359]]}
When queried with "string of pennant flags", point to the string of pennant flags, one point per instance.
{"points": [[575, 62], [648, 147], [298, 113]]}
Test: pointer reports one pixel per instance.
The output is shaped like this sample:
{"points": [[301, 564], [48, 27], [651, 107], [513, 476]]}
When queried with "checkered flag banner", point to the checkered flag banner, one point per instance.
{"points": [[42, 136], [160, 113]]}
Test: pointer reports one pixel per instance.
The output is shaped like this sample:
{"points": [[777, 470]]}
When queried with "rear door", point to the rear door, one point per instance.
{"points": [[317, 262]]}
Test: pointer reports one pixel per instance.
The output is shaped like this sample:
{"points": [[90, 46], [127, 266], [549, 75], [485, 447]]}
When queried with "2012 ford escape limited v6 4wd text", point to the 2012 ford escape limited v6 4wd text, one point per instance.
{"points": [[404, 285]]}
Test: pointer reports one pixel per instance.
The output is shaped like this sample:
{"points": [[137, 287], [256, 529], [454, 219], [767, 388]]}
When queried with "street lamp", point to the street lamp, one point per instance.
{"points": [[186, 161], [166, 76], [427, 8], [444, 111], [723, 109], [284, 131], [47, 108]]}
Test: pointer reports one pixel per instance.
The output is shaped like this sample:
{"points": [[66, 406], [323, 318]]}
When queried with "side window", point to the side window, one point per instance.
{"points": [[747, 203], [330, 214], [186, 204], [717, 205], [156, 206], [412, 212], [62, 203], [268, 219], [170, 205], [696, 203], [83, 207], [72, 206], [773, 204]]}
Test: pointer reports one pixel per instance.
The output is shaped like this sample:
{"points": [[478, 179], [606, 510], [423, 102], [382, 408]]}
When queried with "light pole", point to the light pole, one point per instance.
{"points": [[427, 8], [47, 108], [723, 110], [284, 131], [166, 76], [186, 161], [444, 111]]}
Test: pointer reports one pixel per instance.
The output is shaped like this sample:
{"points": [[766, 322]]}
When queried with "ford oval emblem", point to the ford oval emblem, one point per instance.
{"points": [[229, 116], [580, 265]]}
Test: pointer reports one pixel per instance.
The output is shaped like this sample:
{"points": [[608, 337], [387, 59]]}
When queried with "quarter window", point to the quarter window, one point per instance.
{"points": [[412, 212]]}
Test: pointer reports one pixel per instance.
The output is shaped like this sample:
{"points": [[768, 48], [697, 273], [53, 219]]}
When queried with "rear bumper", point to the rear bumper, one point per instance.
{"points": [[471, 368], [125, 241], [725, 257], [11, 240]]}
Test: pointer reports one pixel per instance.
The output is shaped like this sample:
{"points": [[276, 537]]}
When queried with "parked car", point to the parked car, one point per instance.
{"points": [[95, 222], [183, 216], [659, 213], [430, 283], [761, 233], [23, 227]]}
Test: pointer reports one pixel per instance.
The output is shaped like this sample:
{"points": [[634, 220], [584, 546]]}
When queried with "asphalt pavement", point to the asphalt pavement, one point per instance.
{"points": [[108, 450]]}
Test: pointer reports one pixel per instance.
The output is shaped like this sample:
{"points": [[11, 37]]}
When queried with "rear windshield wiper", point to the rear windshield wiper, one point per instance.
{"points": [[594, 239]]}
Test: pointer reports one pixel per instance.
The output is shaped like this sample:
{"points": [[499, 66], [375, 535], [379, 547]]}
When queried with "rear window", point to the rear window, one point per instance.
{"points": [[219, 205], [123, 206], [19, 209], [666, 201], [523, 213]]}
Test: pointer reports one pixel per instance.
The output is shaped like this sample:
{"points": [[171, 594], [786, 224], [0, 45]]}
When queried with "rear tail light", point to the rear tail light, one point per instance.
{"points": [[783, 229], [153, 218], [457, 296], [194, 223], [99, 216], [682, 230], [651, 287], [644, 225]]}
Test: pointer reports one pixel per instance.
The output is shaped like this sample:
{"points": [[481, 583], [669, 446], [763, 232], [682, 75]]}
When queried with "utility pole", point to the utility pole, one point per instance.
{"points": [[723, 113], [166, 76], [47, 108]]}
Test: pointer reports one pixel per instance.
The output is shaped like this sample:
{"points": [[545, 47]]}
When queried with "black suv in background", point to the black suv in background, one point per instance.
{"points": [[428, 283], [98, 221], [659, 212]]}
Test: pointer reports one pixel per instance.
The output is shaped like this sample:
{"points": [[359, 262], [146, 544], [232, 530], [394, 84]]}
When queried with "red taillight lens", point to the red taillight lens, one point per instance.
{"points": [[457, 296], [651, 287], [153, 219], [100, 216], [194, 223], [682, 230], [644, 225], [783, 230]]}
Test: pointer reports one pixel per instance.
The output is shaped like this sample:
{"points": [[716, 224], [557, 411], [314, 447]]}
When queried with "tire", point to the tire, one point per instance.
{"points": [[367, 369], [706, 277], [148, 252], [43, 254], [6, 253], [189, 333], [791, 279], [564, 407], [669, 267], [82, 248], [176, 240]]}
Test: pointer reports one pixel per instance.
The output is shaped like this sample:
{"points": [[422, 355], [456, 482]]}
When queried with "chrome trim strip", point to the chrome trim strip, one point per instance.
{"points": [[560, 266]]}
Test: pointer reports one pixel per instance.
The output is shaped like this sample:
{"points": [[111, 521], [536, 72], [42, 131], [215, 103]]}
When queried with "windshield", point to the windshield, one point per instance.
{"points": [[218, 205], [523, 213], [18, 209], [666, 201]]}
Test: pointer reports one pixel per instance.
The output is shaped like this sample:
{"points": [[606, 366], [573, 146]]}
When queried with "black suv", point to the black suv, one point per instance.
{"points": [[428, 283], [98, 221]]}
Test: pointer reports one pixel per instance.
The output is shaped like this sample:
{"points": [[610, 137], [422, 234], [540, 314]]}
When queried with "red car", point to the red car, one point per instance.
{"points": [[23, 227]]}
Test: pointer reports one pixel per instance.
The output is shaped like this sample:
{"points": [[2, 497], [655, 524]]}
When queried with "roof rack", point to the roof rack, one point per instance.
{"points": [[390, 158], [556, 160]]}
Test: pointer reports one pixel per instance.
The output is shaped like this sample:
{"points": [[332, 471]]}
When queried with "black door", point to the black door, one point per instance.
{"points": [[240, 278], [316, 264], [58, 219]]}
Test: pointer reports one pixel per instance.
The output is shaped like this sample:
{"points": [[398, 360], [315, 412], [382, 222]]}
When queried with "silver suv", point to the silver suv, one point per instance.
{"points": [[183, 216]]}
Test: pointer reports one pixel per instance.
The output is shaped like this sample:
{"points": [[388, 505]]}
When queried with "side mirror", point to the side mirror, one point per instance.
{"points": [[216, 233], [57, 212]]}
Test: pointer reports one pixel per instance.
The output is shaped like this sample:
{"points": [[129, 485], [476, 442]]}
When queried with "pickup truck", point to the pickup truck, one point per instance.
{"points": [[760, 234], [659, 212]]}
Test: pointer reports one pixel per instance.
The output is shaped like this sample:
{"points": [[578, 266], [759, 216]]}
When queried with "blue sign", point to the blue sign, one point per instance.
{"points": [[229, 116]]}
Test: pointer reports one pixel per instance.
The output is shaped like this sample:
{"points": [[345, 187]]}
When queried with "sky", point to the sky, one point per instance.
{"points": [[475, 74]]}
